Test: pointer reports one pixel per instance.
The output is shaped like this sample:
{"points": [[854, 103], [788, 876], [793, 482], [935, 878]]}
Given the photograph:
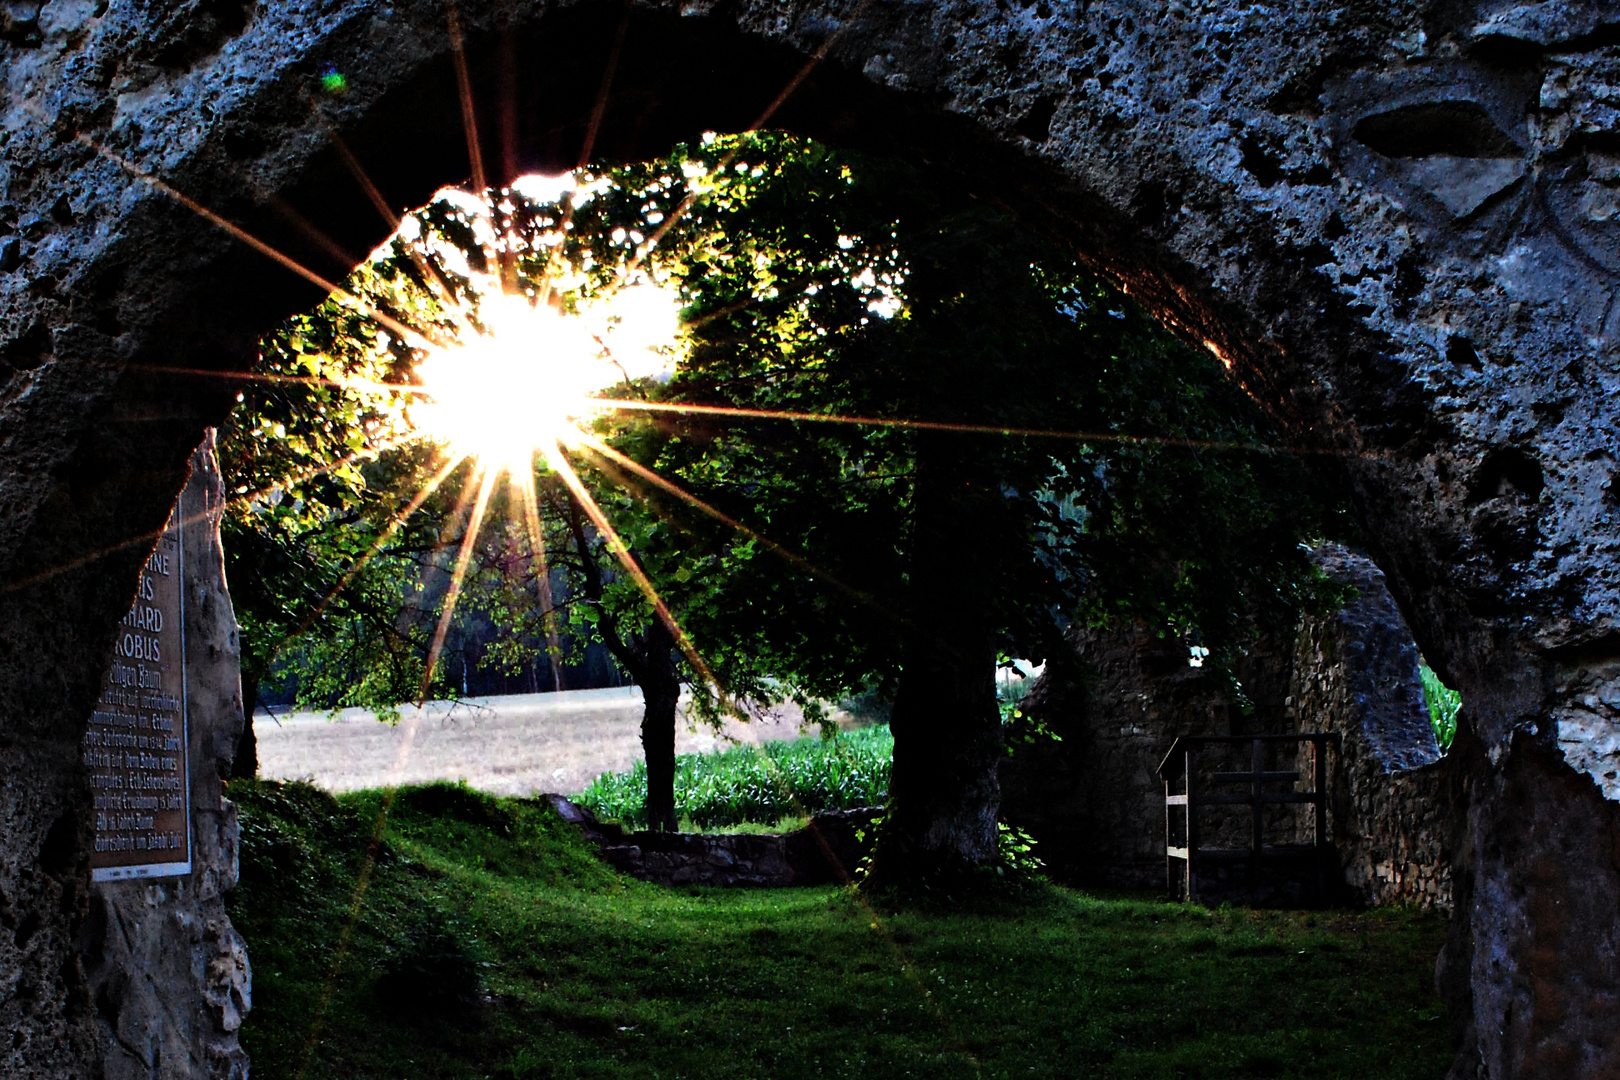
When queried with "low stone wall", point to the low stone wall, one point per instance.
{"points": [[828, 849]]}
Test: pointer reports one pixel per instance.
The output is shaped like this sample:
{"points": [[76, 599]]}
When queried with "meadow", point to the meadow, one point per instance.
{"points": [[459, 935]]}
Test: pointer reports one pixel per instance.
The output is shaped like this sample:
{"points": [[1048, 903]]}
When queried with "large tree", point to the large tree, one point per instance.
{"points": [[319, 560], [835, 284], [346, 529], [1031, 448]]}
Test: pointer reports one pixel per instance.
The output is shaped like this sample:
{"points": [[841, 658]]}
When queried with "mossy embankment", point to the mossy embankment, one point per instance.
{"points": [[476, 937]]}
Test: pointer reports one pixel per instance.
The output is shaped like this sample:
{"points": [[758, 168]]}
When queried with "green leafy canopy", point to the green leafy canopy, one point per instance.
{"points": [[813, 281]]}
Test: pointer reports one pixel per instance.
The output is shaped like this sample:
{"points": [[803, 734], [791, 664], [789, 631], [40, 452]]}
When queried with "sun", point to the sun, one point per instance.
{"points": [[524, 376]]}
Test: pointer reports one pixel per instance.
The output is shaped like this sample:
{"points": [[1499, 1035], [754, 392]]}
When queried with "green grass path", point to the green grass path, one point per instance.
{"points": [[491, 942]]}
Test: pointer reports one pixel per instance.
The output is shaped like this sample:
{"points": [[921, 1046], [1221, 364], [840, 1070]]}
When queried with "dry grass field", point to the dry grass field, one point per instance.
{"points": [[513, 745]]}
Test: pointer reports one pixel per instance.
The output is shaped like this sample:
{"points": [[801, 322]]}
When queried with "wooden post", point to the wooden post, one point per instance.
{"points": [[1192, 825], [1169, 841]]}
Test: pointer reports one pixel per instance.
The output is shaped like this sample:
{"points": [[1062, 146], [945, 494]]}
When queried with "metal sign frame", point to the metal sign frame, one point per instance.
{"points": [[181, 867]]}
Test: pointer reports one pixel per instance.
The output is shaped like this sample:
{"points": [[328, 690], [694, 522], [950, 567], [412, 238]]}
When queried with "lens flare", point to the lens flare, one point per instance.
{"points": [[523, 380]]}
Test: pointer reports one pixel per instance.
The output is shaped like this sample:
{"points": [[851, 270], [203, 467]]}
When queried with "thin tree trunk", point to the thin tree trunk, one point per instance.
{"points": [[650, 660], [661, 694], [245, 763], [944, 794]]}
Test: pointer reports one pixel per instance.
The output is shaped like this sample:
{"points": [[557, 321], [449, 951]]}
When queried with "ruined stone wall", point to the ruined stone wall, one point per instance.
{"points": [[1093, 801], [828, 849], [1355, 672], [1401, 856], [1395, 221], [168, 974]]}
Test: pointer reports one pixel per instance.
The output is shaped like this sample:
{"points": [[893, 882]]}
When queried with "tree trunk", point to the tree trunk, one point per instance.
{"points": [[661, 694], [245, 763], [650, 660], [943, 792]]}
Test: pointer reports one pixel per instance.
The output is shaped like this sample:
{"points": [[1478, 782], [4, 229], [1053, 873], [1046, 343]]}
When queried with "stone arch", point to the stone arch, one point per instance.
{"points": [[1396, 223]]}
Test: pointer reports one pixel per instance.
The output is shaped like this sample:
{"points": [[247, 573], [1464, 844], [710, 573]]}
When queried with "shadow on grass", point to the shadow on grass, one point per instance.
{"points": [[491, 942]]}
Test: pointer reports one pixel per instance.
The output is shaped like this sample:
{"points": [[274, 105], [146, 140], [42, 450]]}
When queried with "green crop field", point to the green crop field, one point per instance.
{"points": [[481, 938], [778, 783]]}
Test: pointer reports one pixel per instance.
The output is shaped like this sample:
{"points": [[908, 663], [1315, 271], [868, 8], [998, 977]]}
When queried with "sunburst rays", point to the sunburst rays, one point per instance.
{"points": [[486, 487], [236, 232], [626, 558], [478, 491], [540, 570], [464, 312], [731, 412], [787, 554]]}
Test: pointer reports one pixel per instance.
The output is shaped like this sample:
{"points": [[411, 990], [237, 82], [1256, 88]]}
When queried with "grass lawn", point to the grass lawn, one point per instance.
{"points": [[490, 942]]}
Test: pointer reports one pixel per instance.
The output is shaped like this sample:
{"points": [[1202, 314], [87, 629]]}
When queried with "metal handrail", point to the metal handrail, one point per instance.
{"points": [[1181, 763]]}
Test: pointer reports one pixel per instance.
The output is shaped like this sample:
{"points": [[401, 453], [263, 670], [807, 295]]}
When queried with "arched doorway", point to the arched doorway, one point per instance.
{"points": [[1360, 214]]}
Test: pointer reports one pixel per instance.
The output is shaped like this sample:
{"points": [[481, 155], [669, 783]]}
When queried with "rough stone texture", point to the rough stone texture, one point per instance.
{"points": [[1395, 220], [168, 973], [1093, 801], [828, 849], [1356, 673]]}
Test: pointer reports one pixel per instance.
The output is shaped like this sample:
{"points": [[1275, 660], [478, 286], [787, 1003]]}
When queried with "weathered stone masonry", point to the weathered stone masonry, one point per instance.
{"points": [[1396, 221], [1355, 672], [168, 973], [1095, 802]]}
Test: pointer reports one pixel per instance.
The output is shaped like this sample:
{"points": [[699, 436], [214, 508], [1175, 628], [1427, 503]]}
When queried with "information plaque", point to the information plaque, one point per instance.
{"points": [[136, 745]]}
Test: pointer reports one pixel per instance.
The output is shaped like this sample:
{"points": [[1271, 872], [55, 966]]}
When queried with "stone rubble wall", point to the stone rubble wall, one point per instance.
{"points": [[167, 972], [1355, 673], [1095, 803], [828, 849], [1402, 857]]}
